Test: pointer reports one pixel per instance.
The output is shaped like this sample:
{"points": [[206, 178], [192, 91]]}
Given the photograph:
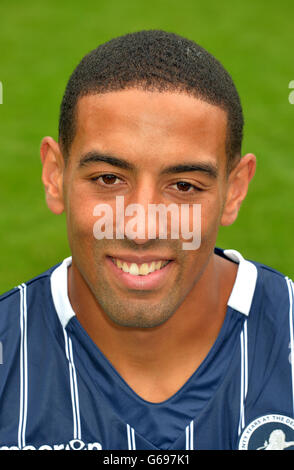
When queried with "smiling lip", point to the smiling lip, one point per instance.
{"points": [[140, 259], [153, 280]]}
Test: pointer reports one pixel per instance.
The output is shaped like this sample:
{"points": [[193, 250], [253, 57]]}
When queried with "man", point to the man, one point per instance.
{"points": [[135, 342]]}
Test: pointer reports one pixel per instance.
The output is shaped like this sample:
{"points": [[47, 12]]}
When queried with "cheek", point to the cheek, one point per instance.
{"points": [[80, 221], [210, 220]]}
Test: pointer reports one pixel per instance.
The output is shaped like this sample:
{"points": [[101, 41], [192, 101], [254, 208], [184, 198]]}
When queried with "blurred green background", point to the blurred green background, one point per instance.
{"points": [[42, 42]]}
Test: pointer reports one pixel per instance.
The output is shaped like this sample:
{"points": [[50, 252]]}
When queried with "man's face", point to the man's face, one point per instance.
{"points": [[144, 133]]}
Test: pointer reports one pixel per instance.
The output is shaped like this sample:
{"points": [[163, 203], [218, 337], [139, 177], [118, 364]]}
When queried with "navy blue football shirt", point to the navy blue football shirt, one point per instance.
{"points": [[58, 391]]}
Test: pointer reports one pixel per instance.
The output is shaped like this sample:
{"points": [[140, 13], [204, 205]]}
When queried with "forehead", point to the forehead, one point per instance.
{"points": [[154, 127]]}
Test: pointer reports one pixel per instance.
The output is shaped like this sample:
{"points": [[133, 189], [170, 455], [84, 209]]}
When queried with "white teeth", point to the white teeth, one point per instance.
{"points": [[152, 266], [134, 269], [141, 270], [119, 263], [144, 269], [158, 264], [125, 267]]}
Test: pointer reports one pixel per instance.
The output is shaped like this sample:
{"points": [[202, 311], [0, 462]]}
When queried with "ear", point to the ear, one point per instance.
{"points": [[238, 183], [52, 174]]}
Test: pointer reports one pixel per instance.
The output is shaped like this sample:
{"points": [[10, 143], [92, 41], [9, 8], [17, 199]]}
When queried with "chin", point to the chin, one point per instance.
{"points": [[139, 320]]}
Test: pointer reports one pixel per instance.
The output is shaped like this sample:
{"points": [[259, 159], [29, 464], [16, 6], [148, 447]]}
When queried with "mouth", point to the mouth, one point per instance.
{"points": [[142, 276], [143, 269]]}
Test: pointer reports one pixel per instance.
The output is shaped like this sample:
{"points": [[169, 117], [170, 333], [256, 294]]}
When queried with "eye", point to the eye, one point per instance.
{"points": [[184, 186], [107, 179]]}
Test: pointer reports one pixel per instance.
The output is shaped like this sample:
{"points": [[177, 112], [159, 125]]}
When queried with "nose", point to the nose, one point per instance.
{"points": [[138, 226]]}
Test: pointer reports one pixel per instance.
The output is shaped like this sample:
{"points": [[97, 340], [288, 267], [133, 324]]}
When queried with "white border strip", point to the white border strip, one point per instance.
{"points": [[291, 297], [190, 436], [73, 388], [131, 438], [59, 287], [244, 287], [244, 375], [23, 403]]}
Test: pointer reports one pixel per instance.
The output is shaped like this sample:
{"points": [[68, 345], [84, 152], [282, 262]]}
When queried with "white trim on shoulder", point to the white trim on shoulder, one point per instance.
{"points": [[59, 292], [242, 294]]}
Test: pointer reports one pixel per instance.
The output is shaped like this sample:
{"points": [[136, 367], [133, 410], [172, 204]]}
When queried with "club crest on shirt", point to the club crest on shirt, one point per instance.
{"points": [[268, 432]]}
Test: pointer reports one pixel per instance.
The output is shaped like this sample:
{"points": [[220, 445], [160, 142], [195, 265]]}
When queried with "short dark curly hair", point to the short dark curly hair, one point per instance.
{"points": [[153, 60]]}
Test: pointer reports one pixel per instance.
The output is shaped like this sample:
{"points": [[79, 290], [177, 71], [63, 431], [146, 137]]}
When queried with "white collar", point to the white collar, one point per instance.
{"points": [[244, 287], [240, 298], [60, 294]]}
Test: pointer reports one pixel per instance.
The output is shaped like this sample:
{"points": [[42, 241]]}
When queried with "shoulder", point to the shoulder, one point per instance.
{"points": [[271, 314], [260, 288], [11, 301], [267, 278], [275, 287]]}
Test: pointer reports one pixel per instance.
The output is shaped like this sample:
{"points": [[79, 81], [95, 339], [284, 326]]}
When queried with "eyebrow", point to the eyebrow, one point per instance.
{"points": [[209, 169], [95, 157]]}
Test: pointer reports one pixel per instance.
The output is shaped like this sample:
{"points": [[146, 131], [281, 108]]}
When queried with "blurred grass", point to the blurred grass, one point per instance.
{"points": [[42, 42]]}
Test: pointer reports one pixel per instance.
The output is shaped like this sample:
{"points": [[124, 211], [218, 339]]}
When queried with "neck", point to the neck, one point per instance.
{"points": [[171, 351]]}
